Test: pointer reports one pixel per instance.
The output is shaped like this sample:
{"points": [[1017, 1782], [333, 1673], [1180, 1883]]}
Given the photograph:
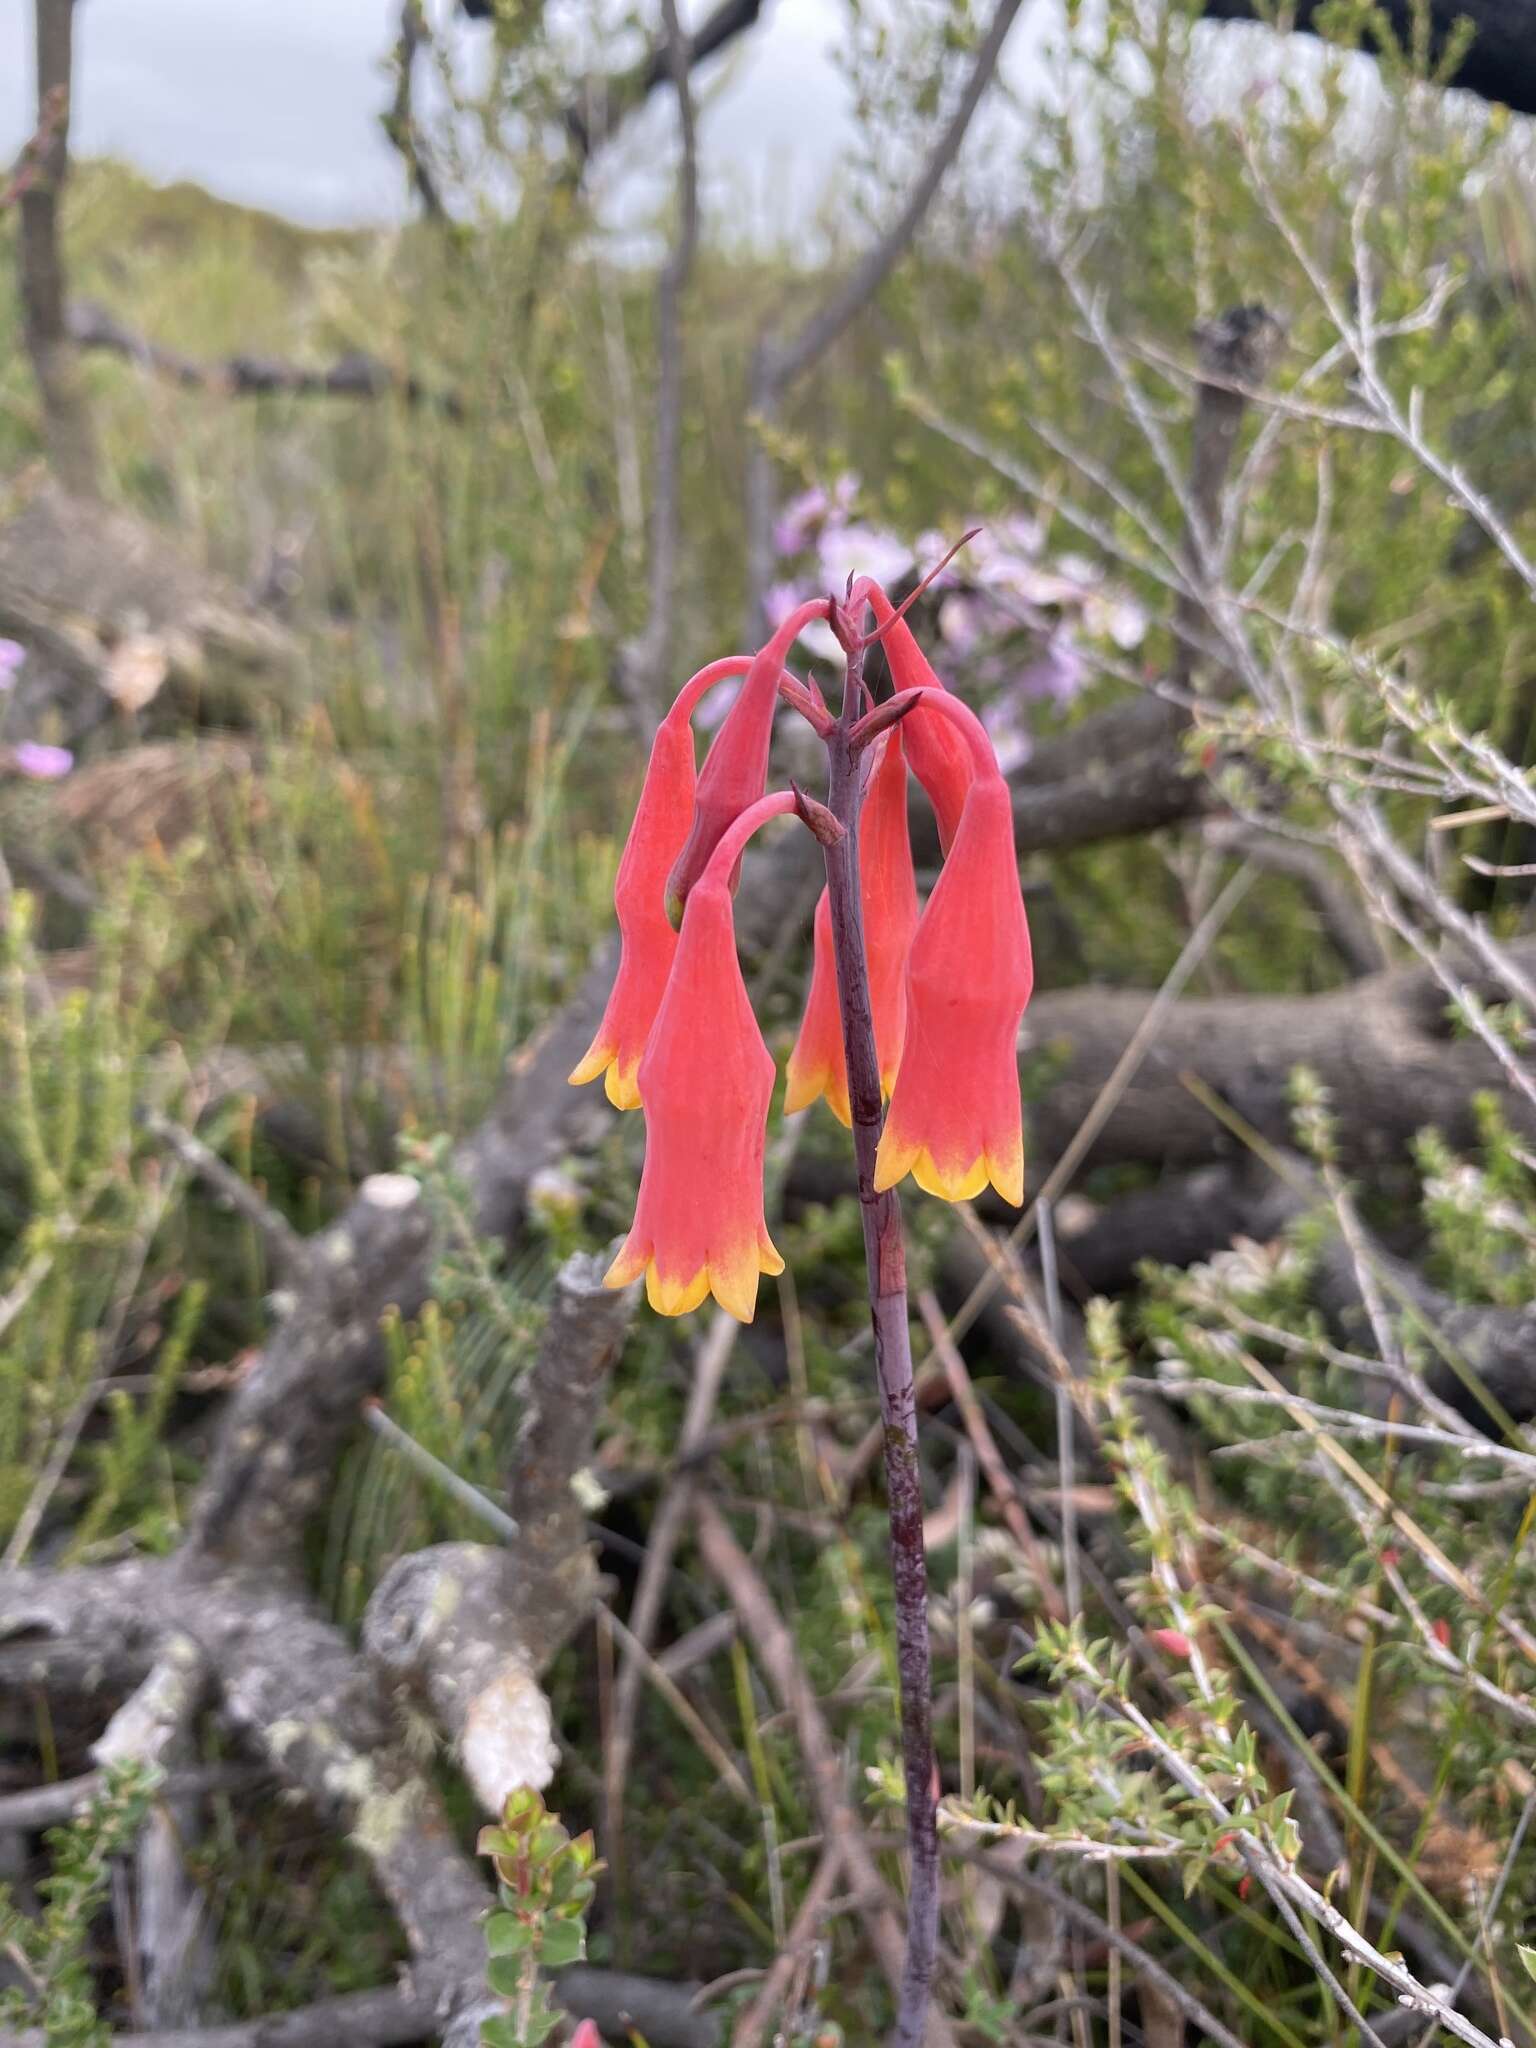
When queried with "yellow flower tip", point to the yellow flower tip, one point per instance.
{"points": [[732, 1281], [673, 1297], [805, 1085], [801, 1088], [733, 1278], [596, 1060], [954, 1184], [893, 1160], [1007, 1174], [621, 1084], [627, 1265]]}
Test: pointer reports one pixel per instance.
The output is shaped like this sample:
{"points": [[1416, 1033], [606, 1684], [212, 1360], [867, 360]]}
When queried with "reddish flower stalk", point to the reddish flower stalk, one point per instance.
{"points": [[886, 1259]]}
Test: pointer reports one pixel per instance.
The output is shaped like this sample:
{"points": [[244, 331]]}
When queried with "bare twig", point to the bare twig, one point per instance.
{"points": [[645, 663], [999, 1480], [399, 121], [283, 1242], [775, 1648], [29, 165], [602, 106], [804, 1933], [777, 365], [71, 441]]}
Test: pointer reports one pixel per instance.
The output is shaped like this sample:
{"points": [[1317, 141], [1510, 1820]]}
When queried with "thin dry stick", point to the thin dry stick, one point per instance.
{"points": [[804, 1930], [1083, 1917], [647, 661], [680, 1704], [1195, 948], [994, 1468], [775, 1649], [1065, 1416], [70, 436], [284, 1244], [778, 366], [666, 1528]]}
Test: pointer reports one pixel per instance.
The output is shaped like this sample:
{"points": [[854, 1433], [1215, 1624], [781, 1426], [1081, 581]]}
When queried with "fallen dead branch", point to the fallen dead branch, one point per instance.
{"points": [[354, 375]]}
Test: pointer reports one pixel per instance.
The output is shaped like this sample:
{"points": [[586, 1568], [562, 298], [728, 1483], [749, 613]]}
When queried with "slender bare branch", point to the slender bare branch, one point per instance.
{"points": [[644, 665], [777, 365], [66, 417]]}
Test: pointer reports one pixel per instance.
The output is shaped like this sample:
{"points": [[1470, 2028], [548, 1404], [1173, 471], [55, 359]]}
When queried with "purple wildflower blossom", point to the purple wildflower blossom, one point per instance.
{"points": [[41, 763]]}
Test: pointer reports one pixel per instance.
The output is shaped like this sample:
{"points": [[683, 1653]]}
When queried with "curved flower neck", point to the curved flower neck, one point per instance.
{"points": [[975, 734], [697, 687], [733, 840]]}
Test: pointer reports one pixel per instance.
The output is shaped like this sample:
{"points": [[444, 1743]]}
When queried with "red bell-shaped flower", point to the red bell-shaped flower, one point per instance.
{"points": [[941, 760], [647, 941], [888, 893], [735, 772], [954, 1121], [706, 1081]]}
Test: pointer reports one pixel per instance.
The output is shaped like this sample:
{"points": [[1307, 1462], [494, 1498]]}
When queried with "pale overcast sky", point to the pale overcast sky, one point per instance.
{"points": [[277, 101]]}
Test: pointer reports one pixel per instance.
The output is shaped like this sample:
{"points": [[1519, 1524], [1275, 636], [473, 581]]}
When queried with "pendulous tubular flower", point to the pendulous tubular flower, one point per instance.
{"points": [[706, 1081], [954, 1121], [946, 990], [888, 890], [647, 941], [940, 757]]}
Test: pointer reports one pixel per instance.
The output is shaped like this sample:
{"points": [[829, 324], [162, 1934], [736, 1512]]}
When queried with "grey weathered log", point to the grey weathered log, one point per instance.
{"points": [[90, 590], [662, 2013], [360, 2019], [169, 1924], [1384, 1048], [469, 1626], [92, 1634], [291, 1685], [279, 1443], [1187, 1217], [563, 1397], [353, 375], [441, 1622], [48, 1806]]}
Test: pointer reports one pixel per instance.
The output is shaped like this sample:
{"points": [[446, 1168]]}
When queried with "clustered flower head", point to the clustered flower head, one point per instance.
{"points": [[948, 981]]}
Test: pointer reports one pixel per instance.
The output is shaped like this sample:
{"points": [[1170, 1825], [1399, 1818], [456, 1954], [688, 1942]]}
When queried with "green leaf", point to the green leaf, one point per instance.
{"points": [[505, 1975], [501, 2032], [506, 1935], [540, 2026], [1528, 1957], [565, 1942]]}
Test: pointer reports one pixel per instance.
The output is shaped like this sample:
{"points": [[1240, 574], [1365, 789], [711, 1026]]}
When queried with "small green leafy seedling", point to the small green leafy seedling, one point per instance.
{"points": [[545, 1883], [57, 1991]]}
